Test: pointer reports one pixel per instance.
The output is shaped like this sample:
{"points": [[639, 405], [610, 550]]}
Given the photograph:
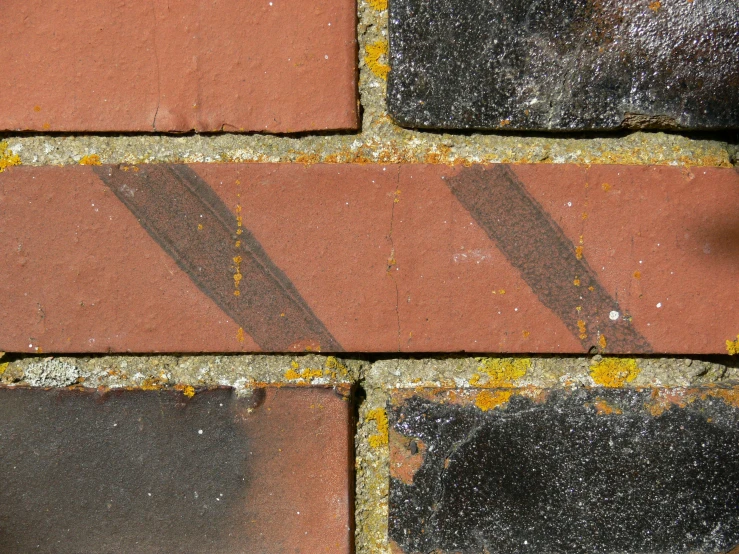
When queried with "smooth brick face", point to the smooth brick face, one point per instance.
{"points": [[564, 64], [177, 66], [565, 471], [414, 258], [154, 471]]}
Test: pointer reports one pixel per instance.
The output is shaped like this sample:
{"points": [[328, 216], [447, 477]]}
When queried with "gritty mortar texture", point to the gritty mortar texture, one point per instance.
{"points": [[379, 141]]}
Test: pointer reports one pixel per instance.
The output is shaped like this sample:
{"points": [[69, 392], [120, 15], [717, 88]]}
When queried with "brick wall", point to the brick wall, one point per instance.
{"points": [[234, 289]]}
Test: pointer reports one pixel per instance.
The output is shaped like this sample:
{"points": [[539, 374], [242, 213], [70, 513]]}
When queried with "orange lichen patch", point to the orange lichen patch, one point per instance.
{"points": [[37, 108], [404, 463], [578, 252], [582, 327], [614, 372], [488, 400], [535, 394], [602, 342], [732, 346], [526, 334], [504, 122], [604, 408], [187, 390], [375, 53], [379, 5], [380, 438], [90, 159], [576, 281], [729, 396], [308, 159], [240, 335], [7, 157], [655, 6], [500, 372], [584, 216], [637, 274], [664, 399], [152, 383], [606, 187]]}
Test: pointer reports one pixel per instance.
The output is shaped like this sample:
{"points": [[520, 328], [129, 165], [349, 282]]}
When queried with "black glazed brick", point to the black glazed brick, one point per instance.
{"points": [[564, 64], [584, 471]]}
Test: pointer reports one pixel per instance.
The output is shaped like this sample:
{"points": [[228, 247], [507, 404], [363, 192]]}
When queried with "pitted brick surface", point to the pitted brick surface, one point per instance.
{"points": [[565, 471], [564, 64]]}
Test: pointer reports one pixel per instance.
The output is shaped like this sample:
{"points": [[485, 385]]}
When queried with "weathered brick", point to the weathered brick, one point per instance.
{"points": [[415, 258], [165, 471], [277, 66], [575, 470], [564, 64]]}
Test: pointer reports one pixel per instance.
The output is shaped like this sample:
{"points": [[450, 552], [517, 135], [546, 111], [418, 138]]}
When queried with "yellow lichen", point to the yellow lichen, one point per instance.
{"points": [[189, 391], [309, 373], [487, 400], [576, 281], [732, 346], [602, 342], [614, 372], [373, 58], [291, 374], [379, 5], [583, 328], [3, 367], [501, 372], [380, 438], [7, 157], [90, 159], [578, 252]]}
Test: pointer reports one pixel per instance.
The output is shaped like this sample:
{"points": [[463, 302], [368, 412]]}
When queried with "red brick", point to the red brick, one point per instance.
{"points": [[413, 258], [277, 66], [155, 471]]}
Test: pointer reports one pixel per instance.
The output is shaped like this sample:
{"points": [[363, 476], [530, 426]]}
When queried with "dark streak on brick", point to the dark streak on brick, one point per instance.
{"points": [[132, 471], [535, 245], [170, 201], [560, 477]]}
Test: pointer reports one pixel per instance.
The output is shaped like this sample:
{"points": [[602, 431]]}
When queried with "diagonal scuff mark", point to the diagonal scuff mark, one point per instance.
{"points": [[196, 229], [548, 262]]}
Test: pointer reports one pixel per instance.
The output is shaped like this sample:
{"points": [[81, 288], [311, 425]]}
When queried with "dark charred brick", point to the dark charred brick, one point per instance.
{"points": [[564, 64], [566, 471], [156, 471]]}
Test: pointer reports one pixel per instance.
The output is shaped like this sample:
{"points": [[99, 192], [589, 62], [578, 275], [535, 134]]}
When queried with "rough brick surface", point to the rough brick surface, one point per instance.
{"points": [[277, 66], [156, 471], [415, 258], [570, 471], [564, 64]]}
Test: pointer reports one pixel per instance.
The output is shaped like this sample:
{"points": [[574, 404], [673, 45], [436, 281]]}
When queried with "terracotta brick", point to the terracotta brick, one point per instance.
{"points": [[156, 471], [569, 470], [413, 258], [277, 66]]}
